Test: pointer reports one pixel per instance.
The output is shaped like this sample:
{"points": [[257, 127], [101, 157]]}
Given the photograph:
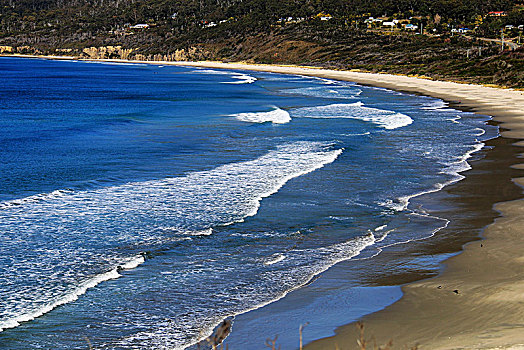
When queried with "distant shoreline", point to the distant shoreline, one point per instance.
{"points": [[487, 310], [272, 68]]}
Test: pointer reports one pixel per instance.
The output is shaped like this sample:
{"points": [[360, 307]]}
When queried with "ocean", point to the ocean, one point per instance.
{"points": [[141, 205]]}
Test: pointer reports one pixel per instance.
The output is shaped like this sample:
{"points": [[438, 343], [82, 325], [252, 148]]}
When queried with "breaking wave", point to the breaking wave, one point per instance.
{"points": [[383, 118], [275, 116]]}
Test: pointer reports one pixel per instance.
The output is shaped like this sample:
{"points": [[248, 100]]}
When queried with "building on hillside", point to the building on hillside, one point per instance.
{"points": [[140, 26], [324, 16], [410, 26], [497, 13], [391, 24]]}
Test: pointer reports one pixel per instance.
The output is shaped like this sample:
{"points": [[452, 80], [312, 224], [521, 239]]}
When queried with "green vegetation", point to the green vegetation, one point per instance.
{"points": [[328, 33]]}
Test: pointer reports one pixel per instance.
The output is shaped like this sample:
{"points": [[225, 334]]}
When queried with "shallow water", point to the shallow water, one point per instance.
{"points": [[140, 205]]}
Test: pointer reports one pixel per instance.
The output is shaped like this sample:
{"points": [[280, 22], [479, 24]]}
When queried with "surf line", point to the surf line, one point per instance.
{"points": [[127, 264]]}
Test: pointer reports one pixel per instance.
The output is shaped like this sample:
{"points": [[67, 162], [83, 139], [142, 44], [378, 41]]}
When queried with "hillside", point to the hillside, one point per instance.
{"points": [[363, 34]]}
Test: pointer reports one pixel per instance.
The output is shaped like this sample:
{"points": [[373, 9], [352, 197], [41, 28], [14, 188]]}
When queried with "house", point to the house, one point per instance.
{"points": [[140, 26], [295, 20], [410, 27], [497, 13], [373, 20], [324, 16], [391, 24]]}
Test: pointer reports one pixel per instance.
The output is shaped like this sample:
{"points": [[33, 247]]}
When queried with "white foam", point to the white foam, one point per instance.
{"points": [[439, 106], [206, 232], [358, 134], [400, 204], [326, 81], [274, 259], [480, 132], [212, 71], [275, 116], [461, 164], [108, 63], [242, 79], [57, 194], [380, 248], [454, 119], [133, 214], [73, 295], [380, 228], [318, 261], [383, 118], [453, 168], [343, 92], [435, 105], [132, 263]]}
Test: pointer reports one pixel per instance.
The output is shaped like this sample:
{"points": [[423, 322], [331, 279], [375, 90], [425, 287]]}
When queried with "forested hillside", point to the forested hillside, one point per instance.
{"points": [[437, 38]]}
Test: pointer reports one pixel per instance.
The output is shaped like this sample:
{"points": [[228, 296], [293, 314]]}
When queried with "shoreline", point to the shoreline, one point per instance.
{"points": [[487, 295], [487, 312]]}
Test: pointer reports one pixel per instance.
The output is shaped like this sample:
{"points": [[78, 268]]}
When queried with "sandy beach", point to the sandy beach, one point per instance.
{"points": [[477, 302]]}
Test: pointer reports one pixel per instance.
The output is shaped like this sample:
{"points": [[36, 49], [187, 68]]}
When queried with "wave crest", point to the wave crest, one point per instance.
{"points": [[275, 116], [383, 118]]}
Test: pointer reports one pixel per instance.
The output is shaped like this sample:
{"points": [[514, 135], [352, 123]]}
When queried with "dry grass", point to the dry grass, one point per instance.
{"points": [[365, 344], [271, 343], [362, 342], [216, 341]]}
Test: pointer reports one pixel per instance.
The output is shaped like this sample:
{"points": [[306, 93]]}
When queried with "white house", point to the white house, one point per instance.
{"points": [[371, 20], [410, 27], [140, 26], [390, 24]]}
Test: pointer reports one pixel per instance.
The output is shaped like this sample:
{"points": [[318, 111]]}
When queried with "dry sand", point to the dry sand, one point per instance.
{"points": [[488, 310]]}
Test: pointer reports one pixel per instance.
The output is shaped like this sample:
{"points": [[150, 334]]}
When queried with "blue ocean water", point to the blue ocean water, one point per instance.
{"points": [[140, 205]]}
